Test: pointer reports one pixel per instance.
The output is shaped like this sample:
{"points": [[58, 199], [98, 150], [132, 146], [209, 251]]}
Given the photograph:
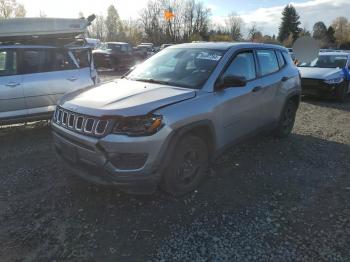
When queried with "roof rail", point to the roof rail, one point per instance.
{"points": [[54, 40]]}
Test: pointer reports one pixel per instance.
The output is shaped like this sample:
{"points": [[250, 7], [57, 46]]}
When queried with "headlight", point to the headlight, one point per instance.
{"points": [[138, 125], [332, 81]]}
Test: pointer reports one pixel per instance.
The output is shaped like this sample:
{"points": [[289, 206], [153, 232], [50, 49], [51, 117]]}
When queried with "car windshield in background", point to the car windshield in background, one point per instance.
{"points": [[113, 46], [181, 67], [327, 61]]}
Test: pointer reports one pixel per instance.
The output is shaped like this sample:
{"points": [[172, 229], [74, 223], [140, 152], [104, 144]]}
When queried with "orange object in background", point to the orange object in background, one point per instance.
{"points": [[168, 15]]}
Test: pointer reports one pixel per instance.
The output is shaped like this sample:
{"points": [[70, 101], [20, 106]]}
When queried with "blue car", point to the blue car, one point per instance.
{"points": [[328, 75]]}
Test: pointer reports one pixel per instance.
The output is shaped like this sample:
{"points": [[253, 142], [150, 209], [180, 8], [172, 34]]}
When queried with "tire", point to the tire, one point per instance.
{"points": [[287, 119], [189, 164], [342, 92]]}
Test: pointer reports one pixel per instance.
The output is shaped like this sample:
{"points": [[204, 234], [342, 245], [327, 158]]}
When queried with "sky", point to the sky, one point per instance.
{"points": [[265, 13]]}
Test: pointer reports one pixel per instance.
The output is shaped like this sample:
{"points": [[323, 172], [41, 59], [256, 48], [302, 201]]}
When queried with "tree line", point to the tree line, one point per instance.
{"points": [[192, 22]]}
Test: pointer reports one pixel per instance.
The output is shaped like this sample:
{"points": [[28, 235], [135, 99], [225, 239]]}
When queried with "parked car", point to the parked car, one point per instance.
{"points": [[33, 78], [148, 44], [163, 46], [93, 43], [328, 75], [116, 55], [162, 122], [146, 50]]}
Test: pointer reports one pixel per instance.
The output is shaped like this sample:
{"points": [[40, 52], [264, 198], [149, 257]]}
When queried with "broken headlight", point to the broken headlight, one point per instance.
{"points": [[138, 125]]}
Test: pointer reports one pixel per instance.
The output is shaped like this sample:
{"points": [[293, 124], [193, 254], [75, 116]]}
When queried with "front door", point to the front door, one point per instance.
{"points": [[240, 106]]}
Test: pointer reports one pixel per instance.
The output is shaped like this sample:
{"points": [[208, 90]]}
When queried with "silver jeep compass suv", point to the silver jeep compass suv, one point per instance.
{"points": [[162, 122]]}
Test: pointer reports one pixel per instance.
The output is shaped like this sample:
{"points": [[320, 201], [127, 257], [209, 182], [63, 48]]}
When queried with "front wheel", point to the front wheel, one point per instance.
{"points": [[287, 119], [188, 166], [342, 92]]}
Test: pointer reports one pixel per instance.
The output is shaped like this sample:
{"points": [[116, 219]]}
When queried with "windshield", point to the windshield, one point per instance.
{"points": [[182, 67], [113, 46], [327, 61]]}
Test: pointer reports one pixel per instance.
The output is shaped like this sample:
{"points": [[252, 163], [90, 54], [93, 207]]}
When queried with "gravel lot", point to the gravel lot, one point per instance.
{"points": [[264, 200]]}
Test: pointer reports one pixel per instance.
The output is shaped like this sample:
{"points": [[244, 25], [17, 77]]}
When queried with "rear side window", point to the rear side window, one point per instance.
{"points": [[124, 48], [280, 59], [243, 65], [268, 61], [62, 61], [287, 57], [8, 62], [35, 61]]}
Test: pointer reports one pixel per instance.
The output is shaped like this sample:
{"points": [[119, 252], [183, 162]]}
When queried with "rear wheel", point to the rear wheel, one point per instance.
{"points": [[287, 119], [188, 166]]}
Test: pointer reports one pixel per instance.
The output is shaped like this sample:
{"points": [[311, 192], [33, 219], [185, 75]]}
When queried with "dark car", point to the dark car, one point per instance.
{"points": [[328, 75], [116, 55]]}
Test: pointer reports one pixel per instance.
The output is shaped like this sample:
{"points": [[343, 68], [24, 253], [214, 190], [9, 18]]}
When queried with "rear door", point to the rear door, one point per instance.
{"points": [[12, 103], [269, 71], [48, 73]]}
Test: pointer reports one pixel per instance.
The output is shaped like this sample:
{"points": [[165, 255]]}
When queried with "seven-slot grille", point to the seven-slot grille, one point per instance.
{"points": [[80, 123]]}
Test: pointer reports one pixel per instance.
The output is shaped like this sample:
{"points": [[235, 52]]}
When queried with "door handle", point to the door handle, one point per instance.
{"points": [[284, 79], [72, 79], [256, 89], [13, 84]]}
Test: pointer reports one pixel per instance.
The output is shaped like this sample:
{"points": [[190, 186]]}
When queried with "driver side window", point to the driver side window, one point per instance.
{"points": [[243, 65]]}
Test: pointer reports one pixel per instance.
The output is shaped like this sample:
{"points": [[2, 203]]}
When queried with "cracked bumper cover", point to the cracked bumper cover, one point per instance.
{"points": [[92, 158]]}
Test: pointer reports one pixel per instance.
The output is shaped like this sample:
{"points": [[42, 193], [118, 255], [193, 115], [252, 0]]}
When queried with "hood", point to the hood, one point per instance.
{"points": [[320, 73], [101, 51], [124, 98]]}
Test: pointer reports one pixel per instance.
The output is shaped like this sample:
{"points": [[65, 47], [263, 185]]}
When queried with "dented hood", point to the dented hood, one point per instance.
{"points": [[124, 98]]}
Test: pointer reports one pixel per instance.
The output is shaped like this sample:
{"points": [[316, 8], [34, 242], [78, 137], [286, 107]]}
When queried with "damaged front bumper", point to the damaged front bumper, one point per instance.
{"points": [[317, 87], [134, 165]]}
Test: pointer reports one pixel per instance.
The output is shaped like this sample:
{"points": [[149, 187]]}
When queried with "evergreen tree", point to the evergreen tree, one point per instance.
{"points": [[113, 24], [290, 24], [320, 31], [331, 35]]}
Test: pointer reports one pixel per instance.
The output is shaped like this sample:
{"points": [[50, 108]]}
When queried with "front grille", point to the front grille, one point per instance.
{"points": [[80, 123], [309, 83]]}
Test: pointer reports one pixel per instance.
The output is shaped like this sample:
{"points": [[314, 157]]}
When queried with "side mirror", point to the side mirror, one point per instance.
{"points": [[231, 81]]}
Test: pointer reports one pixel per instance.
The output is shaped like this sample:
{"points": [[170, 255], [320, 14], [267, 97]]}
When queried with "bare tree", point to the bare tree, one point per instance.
{"points": [[191, 20], [10, 8], [98, 28], [341, 27], [234, 24], [150, 18], [133, 31], [254, 34], [42, 14]]}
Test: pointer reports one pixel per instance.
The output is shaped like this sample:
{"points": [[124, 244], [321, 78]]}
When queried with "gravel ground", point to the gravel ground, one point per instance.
{"points": [[264, 200]]}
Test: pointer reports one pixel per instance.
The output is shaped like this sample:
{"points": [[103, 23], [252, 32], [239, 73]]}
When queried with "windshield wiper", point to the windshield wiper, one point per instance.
{"points": [[151, 80], [154, 81]]}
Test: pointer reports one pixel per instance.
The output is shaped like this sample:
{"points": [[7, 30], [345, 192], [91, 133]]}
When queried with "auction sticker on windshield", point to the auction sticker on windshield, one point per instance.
{"points": [[208, 56]]}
